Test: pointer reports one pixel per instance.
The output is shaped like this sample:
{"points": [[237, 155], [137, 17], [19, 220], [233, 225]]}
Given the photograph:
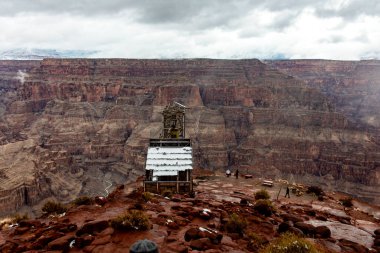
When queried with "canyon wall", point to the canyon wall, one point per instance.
{"points": [[72, 127]]}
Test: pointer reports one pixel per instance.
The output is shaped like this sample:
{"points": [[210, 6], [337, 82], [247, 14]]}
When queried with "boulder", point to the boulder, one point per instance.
{"points": [[355, 247], [196, 233], [92, 227], [296, 231], [191, 234], [322, 232], [306, 228], [201, 244], [83, 241], [100, 200], [61, 243], [284, 226], [44, 239], [291, 217], [30, 223]]}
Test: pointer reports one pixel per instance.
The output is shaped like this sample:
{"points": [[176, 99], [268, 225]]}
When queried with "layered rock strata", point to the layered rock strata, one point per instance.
{"points": [[83, 124]]}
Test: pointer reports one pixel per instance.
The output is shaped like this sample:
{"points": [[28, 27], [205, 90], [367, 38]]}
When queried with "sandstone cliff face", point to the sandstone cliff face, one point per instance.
{"points": [[353, 86], [87, 124]]}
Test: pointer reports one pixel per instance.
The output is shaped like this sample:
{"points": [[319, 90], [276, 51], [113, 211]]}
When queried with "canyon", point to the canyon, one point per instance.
{"points": [[70, 127]]}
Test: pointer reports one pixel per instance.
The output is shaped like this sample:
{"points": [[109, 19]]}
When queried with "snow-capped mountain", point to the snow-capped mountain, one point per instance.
{"points": [[39, 54]]}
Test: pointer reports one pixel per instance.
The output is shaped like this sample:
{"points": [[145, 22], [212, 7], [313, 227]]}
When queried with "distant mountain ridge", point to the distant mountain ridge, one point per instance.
{"points": [[40, 54]]}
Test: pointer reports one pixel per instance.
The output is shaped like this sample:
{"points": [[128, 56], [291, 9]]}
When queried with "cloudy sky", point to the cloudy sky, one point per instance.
{"points": [[328, 29]]}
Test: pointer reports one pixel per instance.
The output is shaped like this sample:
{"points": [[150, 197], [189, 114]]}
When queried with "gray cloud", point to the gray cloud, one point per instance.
{"points": [[197, 13], [164, 11], [352, 9], [195, 28]]}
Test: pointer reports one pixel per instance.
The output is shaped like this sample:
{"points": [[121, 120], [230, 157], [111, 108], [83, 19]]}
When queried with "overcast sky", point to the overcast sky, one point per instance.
{"points": [[328, 29]]}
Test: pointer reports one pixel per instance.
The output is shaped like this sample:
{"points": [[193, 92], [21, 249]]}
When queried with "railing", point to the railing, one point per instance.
{"points": [[177, 186], [169, 143]]}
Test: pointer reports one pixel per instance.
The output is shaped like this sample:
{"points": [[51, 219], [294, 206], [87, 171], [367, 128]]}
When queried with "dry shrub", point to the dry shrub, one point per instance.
{"points": [[255, 242], [19, 217], [52, 207], [264, 207], [262, 194], [347, 202], [133, 220], [236, 224], [290, 243], [83, 200], [147, 196], [316, 190]]}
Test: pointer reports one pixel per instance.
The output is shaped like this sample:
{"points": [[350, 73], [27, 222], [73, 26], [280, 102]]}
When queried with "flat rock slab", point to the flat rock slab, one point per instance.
{"points": [[344, 231], [368, 226], [329, 210]]}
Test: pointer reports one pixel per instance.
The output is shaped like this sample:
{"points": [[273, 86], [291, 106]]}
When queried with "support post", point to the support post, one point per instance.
{"points": [[177, 184]]}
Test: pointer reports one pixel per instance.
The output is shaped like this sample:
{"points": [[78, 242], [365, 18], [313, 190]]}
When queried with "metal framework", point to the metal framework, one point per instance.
{"points": [[169, 160]]}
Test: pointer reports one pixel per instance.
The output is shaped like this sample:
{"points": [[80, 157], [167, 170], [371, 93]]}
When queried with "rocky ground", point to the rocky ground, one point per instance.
{"points": [[184, 223]]}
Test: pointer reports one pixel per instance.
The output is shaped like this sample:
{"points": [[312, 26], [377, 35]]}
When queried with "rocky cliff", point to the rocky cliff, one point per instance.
{"points": [[73, 127]]}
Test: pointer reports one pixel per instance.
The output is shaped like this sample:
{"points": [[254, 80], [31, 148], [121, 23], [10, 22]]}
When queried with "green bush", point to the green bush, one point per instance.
{"points": [[147, 196], [264, 207], [52, 207], [347, 202], [236, 224], [262, 194], [133, 220], [83, 201], [290, 243], [18, 217]]}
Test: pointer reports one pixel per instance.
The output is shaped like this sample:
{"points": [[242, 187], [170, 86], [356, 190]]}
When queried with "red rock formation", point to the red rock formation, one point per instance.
{"points": [[221, 217], [86, 123]]}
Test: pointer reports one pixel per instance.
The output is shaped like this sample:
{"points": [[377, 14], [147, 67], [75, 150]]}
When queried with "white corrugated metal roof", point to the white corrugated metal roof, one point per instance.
{"points": [[168, 168], [169, 160], [164, 173]]}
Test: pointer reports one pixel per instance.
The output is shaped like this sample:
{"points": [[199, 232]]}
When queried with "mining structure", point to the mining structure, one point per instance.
{"points": [[169, 161]]}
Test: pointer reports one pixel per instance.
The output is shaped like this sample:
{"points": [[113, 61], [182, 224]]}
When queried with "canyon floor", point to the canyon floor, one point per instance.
{"points": [[183, 223]]}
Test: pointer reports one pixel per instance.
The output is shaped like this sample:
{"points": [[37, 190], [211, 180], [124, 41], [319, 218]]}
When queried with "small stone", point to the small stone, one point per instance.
{"points": [[179, 248], [171, 238], [171, 224], [100, 200]]}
